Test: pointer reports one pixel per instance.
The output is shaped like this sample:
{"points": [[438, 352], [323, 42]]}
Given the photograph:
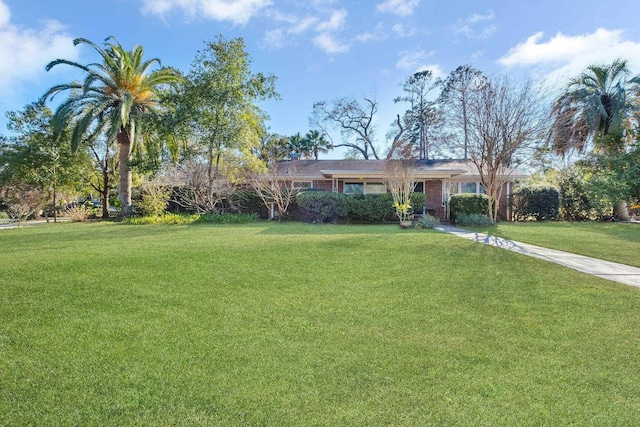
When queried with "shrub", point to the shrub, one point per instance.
{"points": [[322, 206], [369, 208], [154, 200], [427, 221], [228, 218], [467, 204], [79, 213], [418, 202], [4, 215], [539, 203], [181, 219], [473, 220]]}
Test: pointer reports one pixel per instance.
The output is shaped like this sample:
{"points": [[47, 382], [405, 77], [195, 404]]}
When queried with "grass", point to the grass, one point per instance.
{"points": [[296, 324], [617, 242]]}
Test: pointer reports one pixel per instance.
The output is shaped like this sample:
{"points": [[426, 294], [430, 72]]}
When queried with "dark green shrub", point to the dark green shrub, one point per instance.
{"points": [[369, 208], [427, 221], [473, 220], [247, 201], [580, 197], [539, 203], [322, 206], [467, 204], [418, 202]]}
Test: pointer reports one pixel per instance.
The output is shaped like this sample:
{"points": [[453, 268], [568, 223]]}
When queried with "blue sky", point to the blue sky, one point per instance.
{"points": [[323, 50]]}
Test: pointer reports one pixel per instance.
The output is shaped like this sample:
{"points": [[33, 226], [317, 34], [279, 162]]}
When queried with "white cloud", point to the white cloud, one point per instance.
{"points": [[274, 39], [24, 52], [239, 12], [473, 27], [563, 56], [328, 43], [335, 22], [413, 60], [401, 31], [398, 7], [377, 34], [326, 27]]}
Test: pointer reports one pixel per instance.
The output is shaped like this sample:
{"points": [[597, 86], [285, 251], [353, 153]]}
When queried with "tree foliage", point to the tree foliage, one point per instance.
{"points": [[110, 101], [36, 158], [422, 119], [460, 86], [504, 126], [218, 107]]}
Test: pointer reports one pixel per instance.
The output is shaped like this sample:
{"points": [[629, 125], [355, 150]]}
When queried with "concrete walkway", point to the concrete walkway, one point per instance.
{"points": [[7, 224], [596, 267]]}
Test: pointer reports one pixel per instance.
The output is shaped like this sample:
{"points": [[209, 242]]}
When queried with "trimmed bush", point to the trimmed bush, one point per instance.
{"points": [[473, 220], [322, 206], [539, 203], [468, 204], [418, 202], [369, 208], [427, 221], [154, 200]]}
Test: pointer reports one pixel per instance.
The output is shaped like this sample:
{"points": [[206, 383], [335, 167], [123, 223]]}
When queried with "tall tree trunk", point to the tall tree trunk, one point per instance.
{"points": [[124, 156], [621, 211]]}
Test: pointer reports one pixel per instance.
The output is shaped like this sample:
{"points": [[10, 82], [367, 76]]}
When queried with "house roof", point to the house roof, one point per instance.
{"points": [[375, 169]]}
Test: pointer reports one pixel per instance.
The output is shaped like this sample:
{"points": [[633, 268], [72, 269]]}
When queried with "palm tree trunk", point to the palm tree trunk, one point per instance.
{"points": [[124, 156], [621, 211]]}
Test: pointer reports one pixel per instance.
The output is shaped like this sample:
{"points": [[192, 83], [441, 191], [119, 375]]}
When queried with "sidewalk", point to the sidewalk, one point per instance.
{"points": [[7, 224], [620, 273]]}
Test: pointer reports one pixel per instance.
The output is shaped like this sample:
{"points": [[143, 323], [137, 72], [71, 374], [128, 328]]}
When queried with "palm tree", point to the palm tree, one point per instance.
{"points": [[316, 143], [113, 97], [591, 112]]}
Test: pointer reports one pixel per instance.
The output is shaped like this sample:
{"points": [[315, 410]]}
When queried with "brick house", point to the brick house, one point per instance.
{"points": [[437, 179]]}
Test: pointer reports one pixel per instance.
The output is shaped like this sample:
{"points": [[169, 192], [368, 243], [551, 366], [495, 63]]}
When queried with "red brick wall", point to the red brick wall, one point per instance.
{"points": [[323, 185], [433, 192]]}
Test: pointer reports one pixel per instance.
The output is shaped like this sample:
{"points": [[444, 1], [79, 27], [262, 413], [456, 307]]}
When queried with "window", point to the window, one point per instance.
{"points": [[468, 187], [353, 188], [453, 187], [375, 188], [301, 185]]}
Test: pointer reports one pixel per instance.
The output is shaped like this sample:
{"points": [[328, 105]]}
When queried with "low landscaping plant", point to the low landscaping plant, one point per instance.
{"points": [[154, 200], [79, 213], [427, 221], [473, 220], [185, 219]]}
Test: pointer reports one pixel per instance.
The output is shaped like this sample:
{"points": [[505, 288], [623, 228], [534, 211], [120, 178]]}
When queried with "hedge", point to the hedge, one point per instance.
{"points": [[539, 203], [468, 204]]}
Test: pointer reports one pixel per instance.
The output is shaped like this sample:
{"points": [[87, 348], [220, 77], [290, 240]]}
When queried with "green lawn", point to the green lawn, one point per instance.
{"points": [[299, 324], [618, 242]]}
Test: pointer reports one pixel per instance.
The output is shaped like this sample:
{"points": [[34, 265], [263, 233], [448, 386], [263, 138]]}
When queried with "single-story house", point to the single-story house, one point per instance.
{"points": [[437, 179]]}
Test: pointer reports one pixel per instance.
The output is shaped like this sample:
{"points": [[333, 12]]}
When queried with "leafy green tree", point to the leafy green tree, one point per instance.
{"points": [[114, 95], [593, 113], [218, 107], [273, 147], [316, 143], [422, 116], [37, 158], [457, 90]]}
